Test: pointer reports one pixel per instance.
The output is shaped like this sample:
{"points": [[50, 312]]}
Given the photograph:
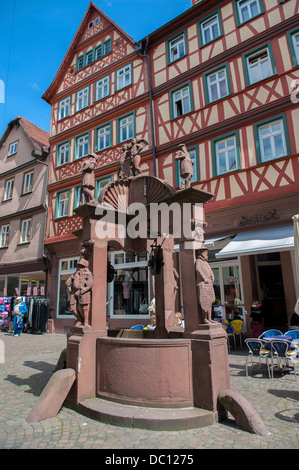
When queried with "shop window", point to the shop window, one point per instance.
{"points": [[67, 267], [2, 286], [13, 283], [130, 288]]}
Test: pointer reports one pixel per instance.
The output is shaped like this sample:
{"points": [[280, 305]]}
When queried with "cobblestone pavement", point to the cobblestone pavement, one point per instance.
{"points": [[29, 363]]}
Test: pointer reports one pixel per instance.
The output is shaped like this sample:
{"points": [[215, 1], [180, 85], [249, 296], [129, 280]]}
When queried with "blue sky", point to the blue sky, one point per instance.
{"points": [[35, 35]]}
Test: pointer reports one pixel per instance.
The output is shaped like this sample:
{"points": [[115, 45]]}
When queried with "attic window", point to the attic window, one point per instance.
{"points": [[90, 25], [13, 148], [97, 20]]}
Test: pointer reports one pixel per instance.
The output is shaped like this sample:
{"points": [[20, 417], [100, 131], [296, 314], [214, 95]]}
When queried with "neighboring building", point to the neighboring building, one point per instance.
{"points": [[23, 208], [218, 78]]}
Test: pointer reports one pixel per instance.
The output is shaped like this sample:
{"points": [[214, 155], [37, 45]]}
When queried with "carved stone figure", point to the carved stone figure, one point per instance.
{"points": [[130, 159], [186, 165], [136, 147], [79, 286], [88, 179], [124, 163], [205, 285]]}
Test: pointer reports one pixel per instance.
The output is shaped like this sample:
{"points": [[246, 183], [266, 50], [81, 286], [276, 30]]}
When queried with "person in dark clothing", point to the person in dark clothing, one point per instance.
{"points": [[257, 324]]}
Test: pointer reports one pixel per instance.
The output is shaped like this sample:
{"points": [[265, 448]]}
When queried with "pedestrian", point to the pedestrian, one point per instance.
{"points": [[18, 313], [257, 324]]}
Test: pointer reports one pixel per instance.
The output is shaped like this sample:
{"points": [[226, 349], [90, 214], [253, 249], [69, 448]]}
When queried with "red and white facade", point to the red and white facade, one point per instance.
{"points": [[220, 78]]}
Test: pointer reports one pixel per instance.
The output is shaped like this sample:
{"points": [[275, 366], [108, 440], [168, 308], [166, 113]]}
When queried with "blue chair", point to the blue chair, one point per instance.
{"points": [[293, 334], [257, 352], [230, 333], [137, 327], [281, 350], [270, 334]]}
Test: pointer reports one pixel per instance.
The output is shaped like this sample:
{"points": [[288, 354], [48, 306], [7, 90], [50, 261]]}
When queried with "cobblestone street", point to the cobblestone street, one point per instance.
{"points": [[29, 363]]}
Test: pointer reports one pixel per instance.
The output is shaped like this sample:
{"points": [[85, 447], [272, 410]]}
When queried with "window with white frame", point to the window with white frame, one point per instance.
{"points": [[63, 154], [248, 9], [226, 155], [177, 48], [89, 58], [103, 137], [100, 185], [8, 189], [259, 65], [123, 77], [63, 199], [25, 232], [217, 84], [67, 267], [82, 146], [126, 128], [27, 185], [80, 62], [4, 236], [64, 108], [210, 29], [181, 102], [78, 196], [82, 99], [13, 148], [102, 88], [295, 39], [272, 140]]}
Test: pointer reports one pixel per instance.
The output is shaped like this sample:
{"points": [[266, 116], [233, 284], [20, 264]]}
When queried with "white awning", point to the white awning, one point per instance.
{"points": [[259, 241], [214, 242]]}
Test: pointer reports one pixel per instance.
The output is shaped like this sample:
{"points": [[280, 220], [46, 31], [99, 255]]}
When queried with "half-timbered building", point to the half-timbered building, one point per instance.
{"points": [[221, 78]]}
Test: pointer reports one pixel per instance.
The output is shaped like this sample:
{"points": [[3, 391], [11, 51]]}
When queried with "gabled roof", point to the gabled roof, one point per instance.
{"points": [[38, 136], [68, 56]]}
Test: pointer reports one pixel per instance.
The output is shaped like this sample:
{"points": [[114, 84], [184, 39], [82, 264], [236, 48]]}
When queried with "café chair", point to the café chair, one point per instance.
{"points": [[230, 333], [237, 326], [137, 327], [270, 334], [257, 352], [282, 351], [293, 334]]}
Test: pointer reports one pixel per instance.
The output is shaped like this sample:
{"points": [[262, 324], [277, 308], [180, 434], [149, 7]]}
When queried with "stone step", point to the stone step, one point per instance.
{"points": [[155, 419]]}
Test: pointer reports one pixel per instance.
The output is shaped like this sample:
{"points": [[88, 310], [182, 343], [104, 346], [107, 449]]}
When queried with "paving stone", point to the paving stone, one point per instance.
{"points": [[30, 361]]}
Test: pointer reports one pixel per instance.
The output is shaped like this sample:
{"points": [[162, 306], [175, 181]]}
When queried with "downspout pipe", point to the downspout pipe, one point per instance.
{"points": [[142, 52]]}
